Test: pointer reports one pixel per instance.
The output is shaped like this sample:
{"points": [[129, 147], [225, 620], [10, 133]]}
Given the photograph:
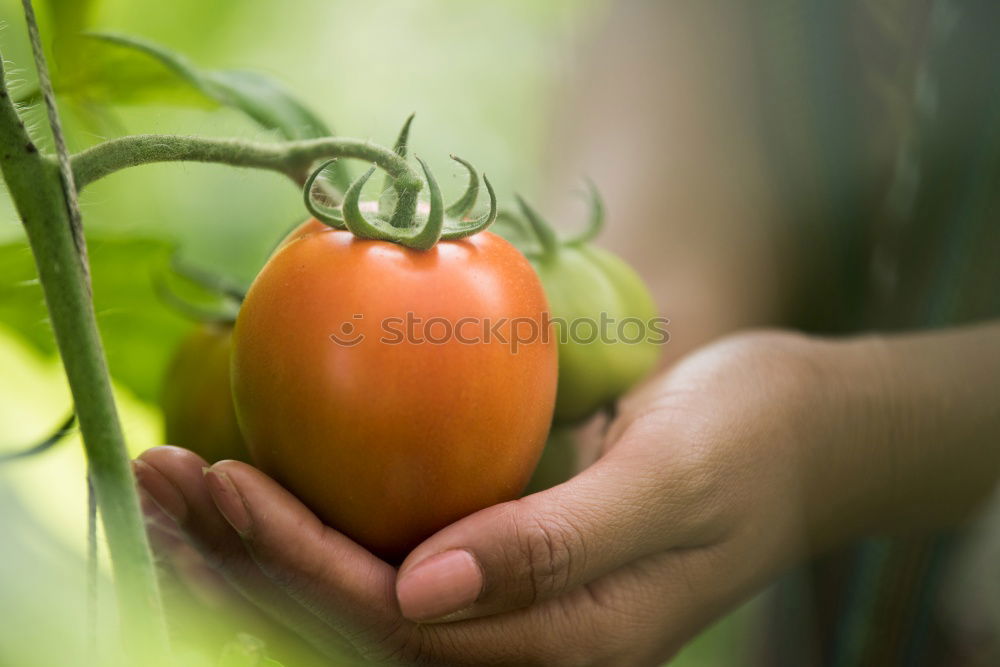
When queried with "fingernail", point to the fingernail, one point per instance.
{"points": [[228, 500], [160, 490], [440, 585]]}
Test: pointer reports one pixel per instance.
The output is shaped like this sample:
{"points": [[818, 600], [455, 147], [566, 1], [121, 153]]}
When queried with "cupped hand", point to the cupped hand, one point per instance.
{"points": [[712, 479]]}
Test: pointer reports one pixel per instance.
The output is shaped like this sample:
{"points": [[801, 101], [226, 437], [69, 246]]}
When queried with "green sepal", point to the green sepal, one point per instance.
{"points": [[402, 142], [326, 214], [423, 236], [547, 238], [461, 229], [464, 204], [595, 223]]}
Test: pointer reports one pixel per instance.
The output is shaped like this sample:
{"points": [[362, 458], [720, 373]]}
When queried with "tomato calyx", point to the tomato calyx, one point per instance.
{"points": [[421, 237], [404, 226], [592, 295], [549, 243]]}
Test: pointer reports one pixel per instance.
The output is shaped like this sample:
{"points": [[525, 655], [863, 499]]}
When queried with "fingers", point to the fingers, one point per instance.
{"points": [[285, 560], [326, 572], [516, 554], [174, 479], [639, 614]]}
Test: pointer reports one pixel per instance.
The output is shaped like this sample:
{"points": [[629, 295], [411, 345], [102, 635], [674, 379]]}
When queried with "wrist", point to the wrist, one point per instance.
{"points": [[941, 424], [911, 433], [848, 440], [812, 411]]}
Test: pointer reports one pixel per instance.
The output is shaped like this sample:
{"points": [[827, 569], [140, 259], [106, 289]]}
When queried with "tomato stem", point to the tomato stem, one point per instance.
{"points": [[190, 310], [349, 215], [401, 145], [42, 189], [421, 237], [292, 158]]}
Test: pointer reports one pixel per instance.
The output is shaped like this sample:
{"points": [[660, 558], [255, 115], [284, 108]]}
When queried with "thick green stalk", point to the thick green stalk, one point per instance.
{"points": [[37, 190], [292, 158]]}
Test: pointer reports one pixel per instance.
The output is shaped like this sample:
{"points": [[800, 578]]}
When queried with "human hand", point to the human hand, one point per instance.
{"points": [[713, 478]]}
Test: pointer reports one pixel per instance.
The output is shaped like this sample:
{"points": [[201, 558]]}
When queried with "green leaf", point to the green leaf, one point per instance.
{"points": [[121, 69], [67, 21], [112, 74], [138, 330], [264, 100]]}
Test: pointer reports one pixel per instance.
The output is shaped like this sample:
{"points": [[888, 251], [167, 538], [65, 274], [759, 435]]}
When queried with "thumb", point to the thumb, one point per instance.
{"points": [[514, 554]]}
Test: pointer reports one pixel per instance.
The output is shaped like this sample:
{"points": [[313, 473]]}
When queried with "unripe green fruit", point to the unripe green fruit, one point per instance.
{"points": [[604, 316], [593, 294]]}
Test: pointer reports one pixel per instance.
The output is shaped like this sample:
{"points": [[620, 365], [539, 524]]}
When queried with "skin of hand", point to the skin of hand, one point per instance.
{"points": [[738, 462]]}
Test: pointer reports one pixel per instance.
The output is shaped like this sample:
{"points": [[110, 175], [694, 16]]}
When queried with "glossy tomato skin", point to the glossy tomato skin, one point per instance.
{"points": [[585, 283], [197, 404], [392, 437]]}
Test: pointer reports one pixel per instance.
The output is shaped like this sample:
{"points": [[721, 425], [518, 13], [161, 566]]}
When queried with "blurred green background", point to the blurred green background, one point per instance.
{"points": [[481, 78]]}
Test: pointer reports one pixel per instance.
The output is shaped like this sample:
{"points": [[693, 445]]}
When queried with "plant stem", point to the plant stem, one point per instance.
{"points": [[37, 190], [292, 158]]}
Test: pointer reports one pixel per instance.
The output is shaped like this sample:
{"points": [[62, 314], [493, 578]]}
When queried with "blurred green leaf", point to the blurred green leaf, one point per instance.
{"points": [[109, 73], [120, 69], [263, 100], [138, 331], [267, 103], [68, 19], [58, 435]]}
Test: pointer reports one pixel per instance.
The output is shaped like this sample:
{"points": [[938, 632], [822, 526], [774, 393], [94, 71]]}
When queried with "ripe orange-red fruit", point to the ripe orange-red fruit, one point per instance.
{"points": [[387, 435]]}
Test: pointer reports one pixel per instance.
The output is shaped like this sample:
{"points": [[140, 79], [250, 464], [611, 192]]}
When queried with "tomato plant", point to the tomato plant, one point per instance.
{"points": [[388, 440], [390, 435], [44, 180], [603, 312]]}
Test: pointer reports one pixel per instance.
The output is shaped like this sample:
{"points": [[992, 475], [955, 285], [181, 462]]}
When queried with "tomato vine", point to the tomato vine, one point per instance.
{"points": [[44, 194]]}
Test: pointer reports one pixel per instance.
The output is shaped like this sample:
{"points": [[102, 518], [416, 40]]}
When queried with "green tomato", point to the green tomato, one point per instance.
{"points": [[604, 316]]}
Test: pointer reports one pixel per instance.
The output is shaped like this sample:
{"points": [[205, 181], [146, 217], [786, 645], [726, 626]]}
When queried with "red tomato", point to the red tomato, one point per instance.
{"points": [[197, 404], [392, 437]]}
